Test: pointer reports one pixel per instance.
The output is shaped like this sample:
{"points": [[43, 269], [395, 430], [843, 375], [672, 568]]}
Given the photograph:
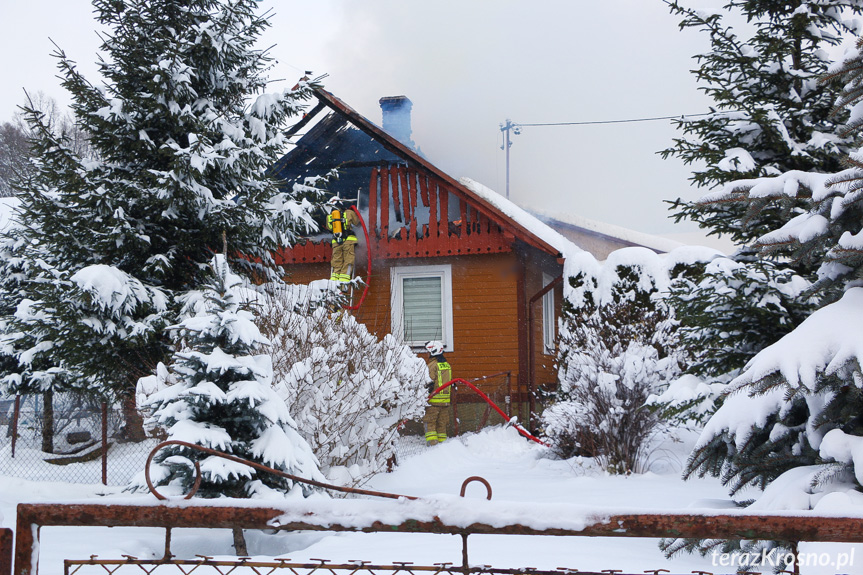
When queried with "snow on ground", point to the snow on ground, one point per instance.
{"points": [[521, 475]]}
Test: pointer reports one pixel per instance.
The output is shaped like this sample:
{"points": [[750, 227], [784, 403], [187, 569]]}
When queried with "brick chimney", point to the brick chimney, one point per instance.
{"points": [[396, 112]]}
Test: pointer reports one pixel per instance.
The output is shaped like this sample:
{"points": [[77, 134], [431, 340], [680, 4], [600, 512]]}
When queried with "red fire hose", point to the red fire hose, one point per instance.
{"points": [[476, 390], [369, 264]]}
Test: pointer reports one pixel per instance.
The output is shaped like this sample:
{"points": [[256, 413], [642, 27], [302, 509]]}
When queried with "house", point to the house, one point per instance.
{"points": [[450, 259], [600, 238]]}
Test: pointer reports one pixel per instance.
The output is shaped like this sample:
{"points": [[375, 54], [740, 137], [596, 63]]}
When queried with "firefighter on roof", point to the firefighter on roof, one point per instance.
{"points": [[341, 221], [436, 418]]}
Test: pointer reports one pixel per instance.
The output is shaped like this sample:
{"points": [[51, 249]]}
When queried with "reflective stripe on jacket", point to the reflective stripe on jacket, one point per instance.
{"points": [[441, 373]]}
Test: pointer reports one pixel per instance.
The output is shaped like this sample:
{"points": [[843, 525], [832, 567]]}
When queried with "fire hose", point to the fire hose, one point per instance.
{"points": [[500, 412], [369, 264]]}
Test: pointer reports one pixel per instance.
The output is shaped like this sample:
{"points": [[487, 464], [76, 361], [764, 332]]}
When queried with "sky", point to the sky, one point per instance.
{"points": [[467, 67]]}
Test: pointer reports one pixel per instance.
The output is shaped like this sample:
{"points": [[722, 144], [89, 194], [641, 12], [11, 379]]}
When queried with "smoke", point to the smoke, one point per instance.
{"points": [[468, 66]]}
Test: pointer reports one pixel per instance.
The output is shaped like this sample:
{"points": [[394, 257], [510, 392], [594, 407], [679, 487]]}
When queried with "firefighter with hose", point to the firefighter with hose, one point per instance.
{"points": [[340, 221], [436, 418]]}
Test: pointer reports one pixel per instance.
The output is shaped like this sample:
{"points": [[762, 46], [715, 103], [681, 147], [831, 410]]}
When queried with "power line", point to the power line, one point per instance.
{"points": [[515, 128], [613, 121]]}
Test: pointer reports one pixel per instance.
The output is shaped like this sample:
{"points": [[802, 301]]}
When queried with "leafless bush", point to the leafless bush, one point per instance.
{"points": [[616, 355], [347, 389]]}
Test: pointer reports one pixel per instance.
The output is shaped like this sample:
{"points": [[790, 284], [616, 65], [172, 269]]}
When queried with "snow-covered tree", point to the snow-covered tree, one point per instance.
{"points": [[347, 389], [618, 347], [791, 423], [182, 133], [715, 318], [222, 398], [727, 314], [769, 114], [13, 153], [15, 136]]}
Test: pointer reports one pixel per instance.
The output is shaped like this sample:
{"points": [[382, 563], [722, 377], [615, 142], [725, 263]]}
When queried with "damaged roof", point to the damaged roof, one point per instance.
{"points": [[347, 140]]}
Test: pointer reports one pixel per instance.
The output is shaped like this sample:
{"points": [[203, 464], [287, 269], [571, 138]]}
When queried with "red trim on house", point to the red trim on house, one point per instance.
{"points": [[415, 160], [440, 237]]}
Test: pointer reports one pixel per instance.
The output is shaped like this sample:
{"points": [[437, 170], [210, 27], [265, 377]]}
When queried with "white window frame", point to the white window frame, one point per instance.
{"points": [[549, 321], [398, 275]]}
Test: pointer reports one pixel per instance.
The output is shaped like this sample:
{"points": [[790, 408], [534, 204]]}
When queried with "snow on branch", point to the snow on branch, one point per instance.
{"points": [[824, 344]]}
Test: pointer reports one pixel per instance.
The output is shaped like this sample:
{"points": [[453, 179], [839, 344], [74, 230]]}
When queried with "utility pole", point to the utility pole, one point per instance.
{"points": [[516, 130]]}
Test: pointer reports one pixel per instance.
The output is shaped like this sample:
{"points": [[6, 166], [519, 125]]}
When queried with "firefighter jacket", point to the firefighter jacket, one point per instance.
{"points": [[349, 220], [440, 373]]}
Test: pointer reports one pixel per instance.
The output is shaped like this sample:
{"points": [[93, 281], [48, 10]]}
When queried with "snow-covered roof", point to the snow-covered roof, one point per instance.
{"points": [[622, 234], [528, 221]]}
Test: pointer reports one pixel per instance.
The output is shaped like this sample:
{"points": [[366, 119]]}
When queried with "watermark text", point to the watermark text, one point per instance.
{"points": [[780, 558]]}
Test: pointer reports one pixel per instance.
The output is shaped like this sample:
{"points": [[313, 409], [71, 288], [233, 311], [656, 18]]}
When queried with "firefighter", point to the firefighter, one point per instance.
{"points": [[436, 418], [341, 221]]}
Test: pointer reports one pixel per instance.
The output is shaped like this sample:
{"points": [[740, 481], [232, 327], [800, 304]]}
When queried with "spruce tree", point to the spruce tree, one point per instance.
{"points": [[182, 135], [222, 398], [732, 310], [791, 424], [769, 115]]}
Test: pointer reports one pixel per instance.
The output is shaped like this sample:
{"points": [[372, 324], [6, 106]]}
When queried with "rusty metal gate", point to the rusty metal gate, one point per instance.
{"points": [[323, 567], [417, 516]]}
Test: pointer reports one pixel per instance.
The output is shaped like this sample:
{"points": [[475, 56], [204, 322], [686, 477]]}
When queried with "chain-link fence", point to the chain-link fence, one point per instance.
{"points": [[75, 451], [472, 413], [66, 442], [71, 448]]}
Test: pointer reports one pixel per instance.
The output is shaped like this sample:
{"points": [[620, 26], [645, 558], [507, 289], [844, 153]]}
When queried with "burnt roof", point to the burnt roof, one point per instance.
{"points": [[334, 143], [348, 140]]}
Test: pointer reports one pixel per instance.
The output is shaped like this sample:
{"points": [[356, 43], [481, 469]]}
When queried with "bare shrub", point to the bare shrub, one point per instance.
{"points": [[347, 389], [614, 355]]}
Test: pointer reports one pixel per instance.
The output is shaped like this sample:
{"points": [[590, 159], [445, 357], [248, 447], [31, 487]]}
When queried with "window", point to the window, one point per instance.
{"points": [[549, 321], [422, 304]]}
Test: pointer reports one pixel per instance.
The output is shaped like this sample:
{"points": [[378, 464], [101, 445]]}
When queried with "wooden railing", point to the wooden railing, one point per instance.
{"points": [[421, 224]]}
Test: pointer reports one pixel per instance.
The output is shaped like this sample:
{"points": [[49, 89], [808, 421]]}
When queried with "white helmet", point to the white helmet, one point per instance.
{"points": [[434, 347], [334, 201]]}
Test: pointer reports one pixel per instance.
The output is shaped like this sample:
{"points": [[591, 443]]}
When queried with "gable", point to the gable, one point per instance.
{"points": [[476, 212], [334, 142]]}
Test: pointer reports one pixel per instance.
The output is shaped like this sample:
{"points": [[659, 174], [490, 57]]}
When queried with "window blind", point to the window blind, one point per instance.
{"points": [[422, 300]]}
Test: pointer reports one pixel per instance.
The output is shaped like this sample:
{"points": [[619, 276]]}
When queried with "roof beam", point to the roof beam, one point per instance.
{"points": [[305, 120]]}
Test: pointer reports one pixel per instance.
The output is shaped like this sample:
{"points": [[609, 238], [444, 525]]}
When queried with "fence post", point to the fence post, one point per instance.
{"points": [[15, 414], [48, 421], [454, 401], [5, 551], [104, 443], [509, 397]]}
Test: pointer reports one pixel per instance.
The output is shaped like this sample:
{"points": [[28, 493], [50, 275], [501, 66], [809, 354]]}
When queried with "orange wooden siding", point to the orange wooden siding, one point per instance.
{"points": [[485, 309], [485, 332]]}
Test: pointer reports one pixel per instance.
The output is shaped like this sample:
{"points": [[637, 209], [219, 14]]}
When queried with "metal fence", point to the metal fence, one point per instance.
{"points": [[77, 453], [87, 447], [413, 517], [83, 446], [471, 413], [208, 566]]}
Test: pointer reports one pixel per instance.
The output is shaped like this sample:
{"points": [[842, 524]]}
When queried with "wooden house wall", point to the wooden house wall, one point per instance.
{"points": [[539, 263], [485, 310]]}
